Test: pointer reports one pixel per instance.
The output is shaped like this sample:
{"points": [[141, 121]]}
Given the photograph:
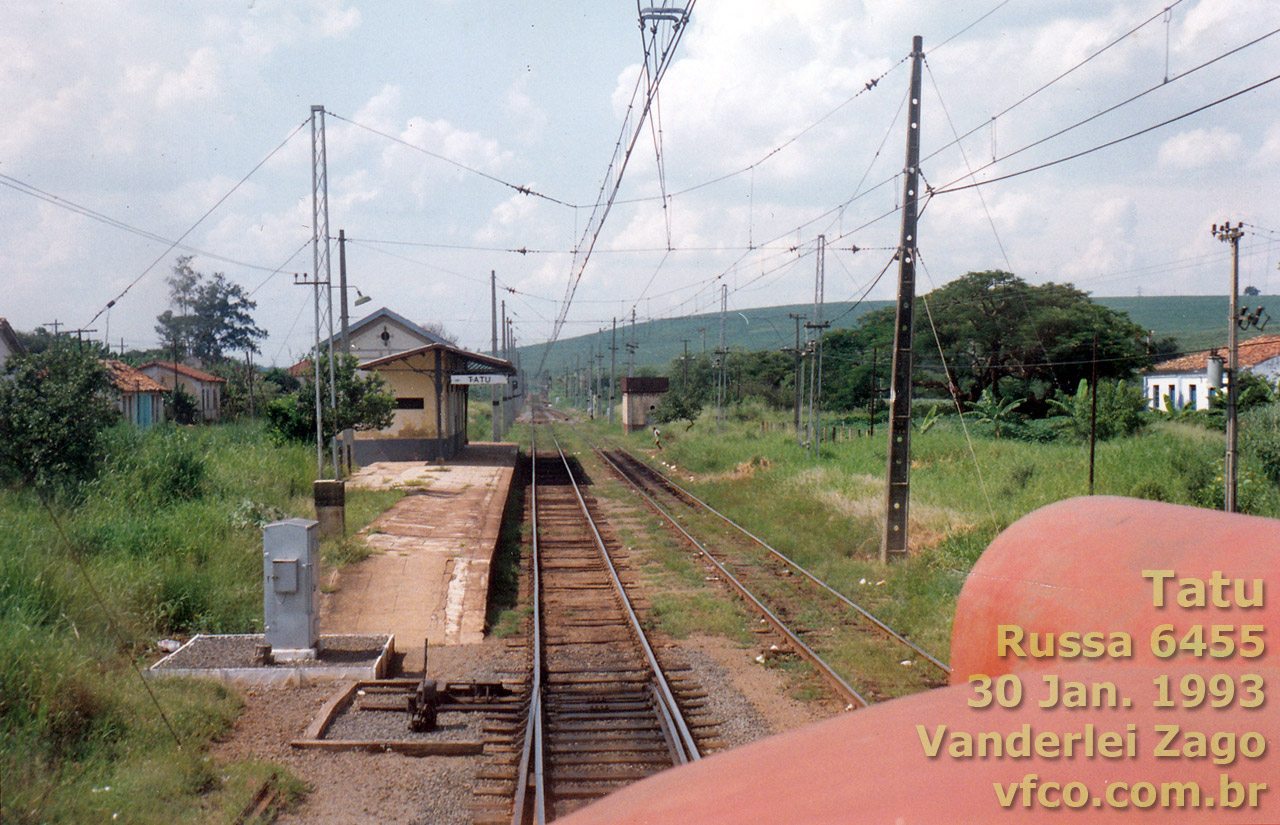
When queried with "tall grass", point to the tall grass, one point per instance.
{"points": [[165, 541], [826, 510]]}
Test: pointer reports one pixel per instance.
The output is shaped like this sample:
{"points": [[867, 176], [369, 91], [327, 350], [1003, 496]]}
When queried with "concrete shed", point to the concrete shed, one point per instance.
{"points": [[640, 397], [431, 386]]}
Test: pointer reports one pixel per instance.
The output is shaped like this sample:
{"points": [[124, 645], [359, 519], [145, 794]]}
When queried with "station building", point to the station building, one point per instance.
{"points": [[640, 397], [431, 386]]}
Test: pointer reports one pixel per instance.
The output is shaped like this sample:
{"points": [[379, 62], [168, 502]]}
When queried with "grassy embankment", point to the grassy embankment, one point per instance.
{"points": [[826, 512], [166, 542]]}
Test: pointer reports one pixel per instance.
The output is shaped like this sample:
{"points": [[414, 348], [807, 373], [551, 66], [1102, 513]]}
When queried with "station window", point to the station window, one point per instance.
{"points": [[410, 404]]}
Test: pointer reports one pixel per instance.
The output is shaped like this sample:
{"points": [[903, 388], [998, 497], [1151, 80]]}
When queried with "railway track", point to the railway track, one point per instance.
{"points": [[603, 711], [728, 554]]}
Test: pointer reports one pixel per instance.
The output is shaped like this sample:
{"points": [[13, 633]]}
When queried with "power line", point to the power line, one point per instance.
{"points": [[1109, 109], [604, 201], [1056, 79], [101, 217], [523, 190], [199, 220], [951, 187]]}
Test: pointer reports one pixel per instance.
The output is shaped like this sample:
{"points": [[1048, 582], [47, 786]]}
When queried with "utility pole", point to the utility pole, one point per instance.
{"points": [[599, 368], [684, 367], [509, 410], [799, 374], [722, 359], [631, 347], [495, 390], [815, 366], [1229, 234], [703, 330], [348, 435], [592, 387], [1093, 411], [613, 365], [871, 424], [898, 470]]}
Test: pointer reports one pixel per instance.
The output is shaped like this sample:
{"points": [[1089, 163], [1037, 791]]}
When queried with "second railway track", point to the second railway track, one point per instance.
{"points": [[789, 589]]}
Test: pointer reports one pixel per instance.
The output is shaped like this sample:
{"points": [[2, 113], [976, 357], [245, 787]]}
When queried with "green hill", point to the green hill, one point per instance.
{"points": [[1196, 321]]}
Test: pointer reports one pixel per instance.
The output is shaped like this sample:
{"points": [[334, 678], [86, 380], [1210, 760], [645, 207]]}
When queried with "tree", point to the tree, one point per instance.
{"points": [[363, 403], [996, 411], [54, 407], [677, 406], [999, 332], [213, 315]]}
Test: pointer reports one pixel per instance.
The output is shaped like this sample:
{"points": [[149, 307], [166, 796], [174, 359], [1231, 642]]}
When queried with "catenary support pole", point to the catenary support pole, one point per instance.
{"points": [[613, 365], [898, 469], [495, 391]]}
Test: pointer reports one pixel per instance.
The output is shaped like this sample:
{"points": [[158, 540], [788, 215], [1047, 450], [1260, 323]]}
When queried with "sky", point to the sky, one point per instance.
{"points": [[464, 138]]}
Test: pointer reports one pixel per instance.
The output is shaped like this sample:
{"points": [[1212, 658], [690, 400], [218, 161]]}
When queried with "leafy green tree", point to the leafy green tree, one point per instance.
{"points": [[999, 332], [54, 407], [213, 316], [363, 403], [677, 406]]}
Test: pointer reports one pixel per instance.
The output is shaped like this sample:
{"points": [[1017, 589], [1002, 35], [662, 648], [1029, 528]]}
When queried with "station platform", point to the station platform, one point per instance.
{"points": [[429, 576]]}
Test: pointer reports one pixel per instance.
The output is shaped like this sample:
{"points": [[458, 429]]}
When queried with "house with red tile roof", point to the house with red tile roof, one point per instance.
{"points": [[1185, 379], [139, 398], [205, 388]]}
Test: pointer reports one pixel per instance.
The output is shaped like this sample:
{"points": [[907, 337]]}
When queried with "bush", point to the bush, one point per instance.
{"points": [[1121, 409], [54, 407], [363, 404], [183, 407], [1151, 490]]}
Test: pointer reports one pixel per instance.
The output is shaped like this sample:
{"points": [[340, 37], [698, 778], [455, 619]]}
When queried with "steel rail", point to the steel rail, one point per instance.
{"points": [[690, 748], [531, 750], [884, 628], [841, 687]]}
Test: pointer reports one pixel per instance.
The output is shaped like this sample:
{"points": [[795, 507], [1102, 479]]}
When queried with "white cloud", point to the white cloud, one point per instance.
{"points": [[1200, 147], [198, 80]]}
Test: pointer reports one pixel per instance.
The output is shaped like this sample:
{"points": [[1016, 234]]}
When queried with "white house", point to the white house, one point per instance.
{"points": [[1185, 379]]}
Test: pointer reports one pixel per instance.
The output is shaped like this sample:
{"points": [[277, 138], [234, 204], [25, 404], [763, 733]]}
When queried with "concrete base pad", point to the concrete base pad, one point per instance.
{"points": [[229, 658]]}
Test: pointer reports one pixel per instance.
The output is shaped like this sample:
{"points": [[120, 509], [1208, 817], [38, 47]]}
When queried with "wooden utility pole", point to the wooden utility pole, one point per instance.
{"points": [[1093, 412], [898, 470], [1229, 234]]}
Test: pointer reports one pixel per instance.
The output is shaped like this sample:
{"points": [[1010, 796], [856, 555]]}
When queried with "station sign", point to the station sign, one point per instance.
{"points": [[477, 378]]}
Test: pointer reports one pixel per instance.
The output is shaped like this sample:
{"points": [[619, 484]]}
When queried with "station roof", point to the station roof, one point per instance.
{"points": [[473, 360]]}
